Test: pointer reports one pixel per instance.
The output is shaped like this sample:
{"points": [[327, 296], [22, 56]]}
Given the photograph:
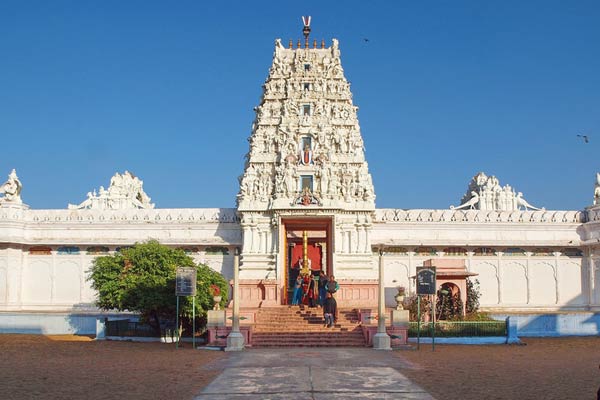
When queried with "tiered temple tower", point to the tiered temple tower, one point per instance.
{"points": [[305, 175]]}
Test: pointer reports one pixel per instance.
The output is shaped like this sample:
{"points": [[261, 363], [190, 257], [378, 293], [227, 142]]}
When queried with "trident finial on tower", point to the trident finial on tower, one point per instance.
{"points": [[306, 30]]}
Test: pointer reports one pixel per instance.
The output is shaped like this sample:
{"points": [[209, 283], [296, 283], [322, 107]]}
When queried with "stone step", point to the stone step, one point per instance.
{"points": [[303, 323], [307, 335], [307, 343], [299, 329], [304, 327]]}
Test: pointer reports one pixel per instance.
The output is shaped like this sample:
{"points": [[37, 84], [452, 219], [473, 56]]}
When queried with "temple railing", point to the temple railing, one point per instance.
{"points": [[130, 216], [391, 215]]}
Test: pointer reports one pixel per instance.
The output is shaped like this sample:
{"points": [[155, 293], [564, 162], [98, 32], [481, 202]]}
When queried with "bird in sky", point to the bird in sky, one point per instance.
{"points": [[585, 138], [366, 40]]}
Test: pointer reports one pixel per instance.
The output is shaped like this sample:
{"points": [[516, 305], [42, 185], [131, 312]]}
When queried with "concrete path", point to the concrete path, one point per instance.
{"points": [[311, 373]]}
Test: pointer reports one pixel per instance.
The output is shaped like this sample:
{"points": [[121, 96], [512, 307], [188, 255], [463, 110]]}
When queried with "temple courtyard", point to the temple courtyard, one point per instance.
{"points": [[71, 367]]}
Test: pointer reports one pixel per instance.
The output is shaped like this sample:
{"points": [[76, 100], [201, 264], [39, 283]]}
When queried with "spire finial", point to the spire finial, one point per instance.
{"points": [[306, 30]]}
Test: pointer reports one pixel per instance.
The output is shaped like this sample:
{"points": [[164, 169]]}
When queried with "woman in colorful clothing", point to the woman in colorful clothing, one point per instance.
{"points": [[297, 297]]}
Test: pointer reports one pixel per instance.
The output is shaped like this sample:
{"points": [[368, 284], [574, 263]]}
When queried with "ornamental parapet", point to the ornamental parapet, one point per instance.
{"points": [[593, 214], [391, 215], [130, 216]]}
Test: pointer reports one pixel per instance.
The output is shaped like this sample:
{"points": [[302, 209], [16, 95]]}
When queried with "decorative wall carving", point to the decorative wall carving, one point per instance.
{"points": [[125, 191], [306, 124], [390, 215], [485, 193], [11, 189]]}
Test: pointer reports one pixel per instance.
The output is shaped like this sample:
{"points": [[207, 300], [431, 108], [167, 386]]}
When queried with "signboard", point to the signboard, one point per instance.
{"points": [[426, 280], [185, 281]]}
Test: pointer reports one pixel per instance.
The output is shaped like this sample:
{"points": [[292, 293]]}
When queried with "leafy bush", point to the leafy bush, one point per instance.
{"points": [[141, 278]]}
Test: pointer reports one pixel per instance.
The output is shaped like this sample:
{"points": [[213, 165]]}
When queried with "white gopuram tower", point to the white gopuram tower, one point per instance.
{"points": [[306, 198]]}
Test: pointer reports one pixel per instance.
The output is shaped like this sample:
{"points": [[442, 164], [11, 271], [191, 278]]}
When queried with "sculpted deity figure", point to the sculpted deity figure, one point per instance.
{"points": [[325, 173], [322, 139], [11, 189], [335, 47], [279, 180], [334, 184], [289, 179], [356, 143], [597, 190], [290, 108], [250, 181], [280, 66]]}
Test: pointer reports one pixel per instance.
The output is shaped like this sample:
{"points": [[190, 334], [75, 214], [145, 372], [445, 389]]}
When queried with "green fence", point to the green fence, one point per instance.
{"points": [[460, 329]]}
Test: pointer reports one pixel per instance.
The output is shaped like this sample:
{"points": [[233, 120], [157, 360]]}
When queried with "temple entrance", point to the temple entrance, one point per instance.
{"points": [[307, 245]]}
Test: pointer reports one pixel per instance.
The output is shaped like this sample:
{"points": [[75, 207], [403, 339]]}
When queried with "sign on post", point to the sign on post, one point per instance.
{"points": [[426, 286], [426, 280], [185, 281]]}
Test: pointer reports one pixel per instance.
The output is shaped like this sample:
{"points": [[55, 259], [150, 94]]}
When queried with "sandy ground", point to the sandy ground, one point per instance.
{"points": [[43, 367], [70, 367], [557, 368]]}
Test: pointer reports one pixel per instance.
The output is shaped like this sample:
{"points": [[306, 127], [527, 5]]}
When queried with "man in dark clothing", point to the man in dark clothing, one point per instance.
{"points": [[329, 310], [322, 287]]}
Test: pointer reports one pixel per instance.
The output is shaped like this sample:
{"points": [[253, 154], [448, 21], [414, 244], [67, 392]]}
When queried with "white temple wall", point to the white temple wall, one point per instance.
{"points": [[544, 280], [505, 283], [3, 282]]}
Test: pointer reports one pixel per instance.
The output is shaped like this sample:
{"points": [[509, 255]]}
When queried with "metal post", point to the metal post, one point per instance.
{"points": [[177, 325], [433, 304], [381, 340], [418, 321], [235, 339], [193, 322]]}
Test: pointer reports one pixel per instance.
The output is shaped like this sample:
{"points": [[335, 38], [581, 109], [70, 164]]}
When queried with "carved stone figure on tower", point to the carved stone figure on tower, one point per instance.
{"points": [[11, 189], [290, 180], [597, 190]]}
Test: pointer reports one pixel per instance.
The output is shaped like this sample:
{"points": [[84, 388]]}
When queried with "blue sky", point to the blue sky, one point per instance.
{"points": [[167, 90]]}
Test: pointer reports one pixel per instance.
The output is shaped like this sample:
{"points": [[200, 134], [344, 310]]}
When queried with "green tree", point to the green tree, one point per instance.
{"points": [[473, 295], [142, 279]]}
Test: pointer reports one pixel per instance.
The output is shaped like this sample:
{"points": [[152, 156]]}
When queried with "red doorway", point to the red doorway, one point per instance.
{"points": [[319, 249]]}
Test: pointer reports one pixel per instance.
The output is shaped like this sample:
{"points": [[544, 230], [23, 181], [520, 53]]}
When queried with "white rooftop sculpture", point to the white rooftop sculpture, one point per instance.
{"points": [[485, 193], [11, 189], [125, 192], [597, 190]]}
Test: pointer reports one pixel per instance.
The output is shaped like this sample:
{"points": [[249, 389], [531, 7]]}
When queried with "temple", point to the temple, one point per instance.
{"points": [[306, 202]]}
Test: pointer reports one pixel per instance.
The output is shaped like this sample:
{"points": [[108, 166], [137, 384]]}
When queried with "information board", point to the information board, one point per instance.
{"points": [[185, 281], [426, 283]]}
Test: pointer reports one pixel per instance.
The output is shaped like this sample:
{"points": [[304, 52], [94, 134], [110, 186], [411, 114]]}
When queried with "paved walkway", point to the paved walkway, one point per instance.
{"points": [[311, 373]]}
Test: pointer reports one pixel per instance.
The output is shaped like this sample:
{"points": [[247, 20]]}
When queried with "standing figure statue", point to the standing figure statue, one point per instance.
{"points": [[11, 189]]}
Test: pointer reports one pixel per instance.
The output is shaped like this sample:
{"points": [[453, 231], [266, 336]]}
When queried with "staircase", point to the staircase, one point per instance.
{"points": [[300, 326]]}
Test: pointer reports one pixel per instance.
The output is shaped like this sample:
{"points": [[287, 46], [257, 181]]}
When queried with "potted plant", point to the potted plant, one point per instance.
{"points": [[400, 297], [215, 291]]}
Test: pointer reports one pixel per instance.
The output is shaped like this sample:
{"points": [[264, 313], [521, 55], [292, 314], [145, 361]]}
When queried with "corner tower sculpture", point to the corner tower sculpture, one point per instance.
{"points": [[305, 173]]}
